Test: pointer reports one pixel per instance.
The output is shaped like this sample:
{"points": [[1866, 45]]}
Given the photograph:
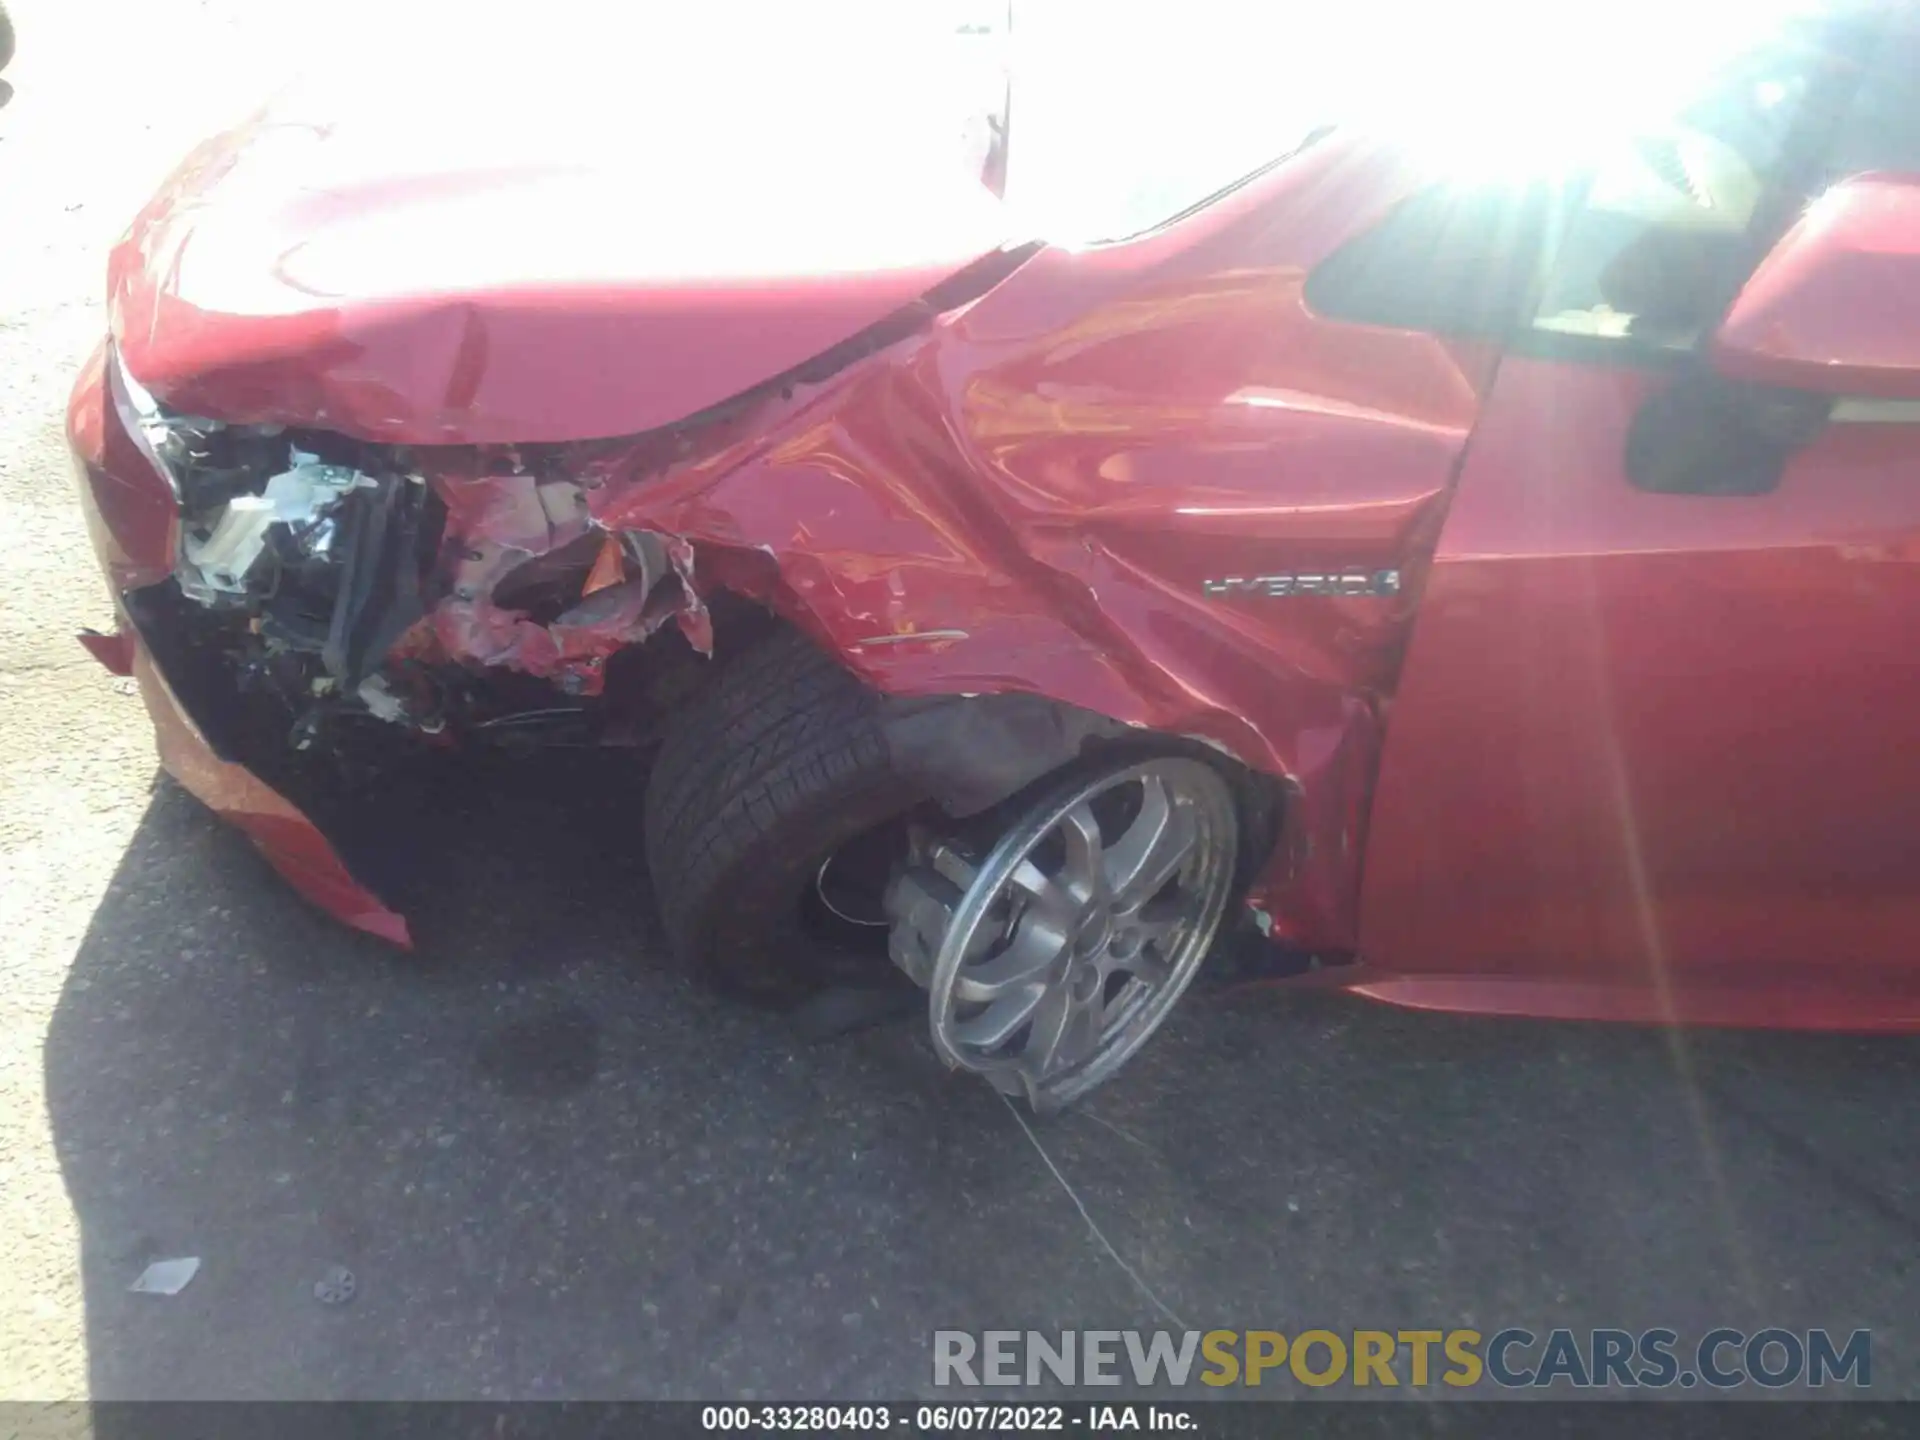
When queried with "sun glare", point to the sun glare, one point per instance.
{"points": [[1124, 113], [1497, 89]]}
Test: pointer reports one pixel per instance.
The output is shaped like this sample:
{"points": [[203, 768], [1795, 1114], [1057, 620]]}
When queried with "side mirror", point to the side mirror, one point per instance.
{"points": [[1706, 435], [1834, 309]]}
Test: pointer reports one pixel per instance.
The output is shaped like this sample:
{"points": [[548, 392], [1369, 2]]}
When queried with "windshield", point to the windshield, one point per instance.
{"points": [[1122, 117]]}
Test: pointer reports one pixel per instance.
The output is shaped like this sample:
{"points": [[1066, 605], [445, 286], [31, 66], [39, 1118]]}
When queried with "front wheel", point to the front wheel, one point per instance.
{"points": [[1052, 934], [771, 798], [1053, 958]]}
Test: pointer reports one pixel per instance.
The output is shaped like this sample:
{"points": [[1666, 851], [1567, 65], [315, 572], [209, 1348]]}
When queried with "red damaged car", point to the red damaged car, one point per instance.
{"points": [[1492, 586]]}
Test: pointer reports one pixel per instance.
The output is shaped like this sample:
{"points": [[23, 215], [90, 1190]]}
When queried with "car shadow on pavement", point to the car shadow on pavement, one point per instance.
{"points": [[556, 1169]]}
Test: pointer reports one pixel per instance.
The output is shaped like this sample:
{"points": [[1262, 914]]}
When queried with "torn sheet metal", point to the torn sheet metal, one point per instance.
{"points": [[572, 651], [1047, 484], [498, 524]]}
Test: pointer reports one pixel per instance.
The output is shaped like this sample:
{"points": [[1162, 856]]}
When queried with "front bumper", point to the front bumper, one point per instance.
{"points": [[131, 517]]}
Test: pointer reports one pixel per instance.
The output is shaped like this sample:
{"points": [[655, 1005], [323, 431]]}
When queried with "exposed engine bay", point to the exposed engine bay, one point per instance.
{"points": [[461, 591], [323, 563], [339, 588]]}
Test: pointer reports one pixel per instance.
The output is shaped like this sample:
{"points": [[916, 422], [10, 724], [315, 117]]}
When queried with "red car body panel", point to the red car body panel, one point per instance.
{"points": [[1656, 747], [1055, 487], [1032, 496], [1838, 287], [132, 532], [290, 841], [323, 273], [130, 512]]}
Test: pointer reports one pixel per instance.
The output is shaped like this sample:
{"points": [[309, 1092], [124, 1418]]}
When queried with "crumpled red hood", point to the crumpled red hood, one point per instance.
{"points": [[561, 265]]}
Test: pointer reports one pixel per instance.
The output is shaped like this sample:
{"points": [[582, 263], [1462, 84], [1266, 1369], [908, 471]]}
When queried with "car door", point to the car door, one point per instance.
{"points": [[1655, 751]]}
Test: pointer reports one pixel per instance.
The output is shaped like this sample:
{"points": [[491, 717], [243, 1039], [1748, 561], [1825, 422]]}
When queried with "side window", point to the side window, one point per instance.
{"points": [[1451, 260], [1882, 126], [1651, 250], [1673, 217], [1640, 245]]}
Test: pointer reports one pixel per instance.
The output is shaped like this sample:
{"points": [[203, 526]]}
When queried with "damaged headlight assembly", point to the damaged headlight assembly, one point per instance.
{"points": [[220, 558], [140, 416], [318, 553], [233, 484]]}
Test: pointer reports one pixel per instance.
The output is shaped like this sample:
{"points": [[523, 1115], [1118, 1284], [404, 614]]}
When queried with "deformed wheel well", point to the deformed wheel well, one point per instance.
{"points": [[782, 758], [1259, 799], [973, 754]]}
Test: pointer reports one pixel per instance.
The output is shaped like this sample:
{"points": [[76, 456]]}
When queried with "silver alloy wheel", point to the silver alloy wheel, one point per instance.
{"points": [[1068, 945]]}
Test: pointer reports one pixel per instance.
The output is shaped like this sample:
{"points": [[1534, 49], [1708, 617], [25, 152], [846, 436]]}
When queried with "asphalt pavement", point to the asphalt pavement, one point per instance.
{"points": [[555, 1169]]}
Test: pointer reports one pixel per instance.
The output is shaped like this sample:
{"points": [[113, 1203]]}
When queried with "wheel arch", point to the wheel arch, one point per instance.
{"points": [[972, 753]]}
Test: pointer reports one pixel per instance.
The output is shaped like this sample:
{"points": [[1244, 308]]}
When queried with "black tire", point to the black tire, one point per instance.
{"points": [[770, 769]]}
